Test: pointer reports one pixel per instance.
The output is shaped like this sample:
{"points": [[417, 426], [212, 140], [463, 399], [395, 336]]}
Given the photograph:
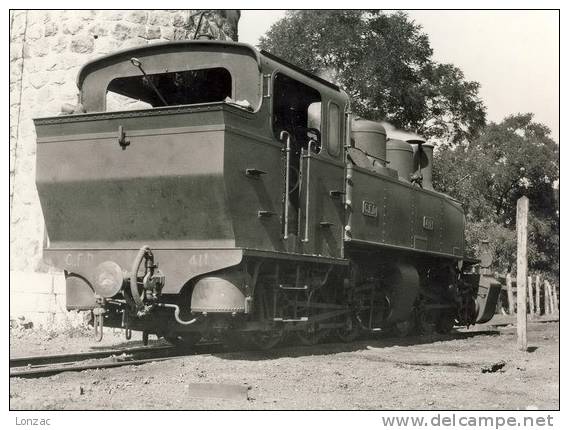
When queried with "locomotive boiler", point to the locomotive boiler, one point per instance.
{"points": [[207, 189]]}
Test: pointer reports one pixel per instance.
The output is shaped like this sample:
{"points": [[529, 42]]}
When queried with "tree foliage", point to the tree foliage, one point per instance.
{"points": [[513, 158], [384, 61]]}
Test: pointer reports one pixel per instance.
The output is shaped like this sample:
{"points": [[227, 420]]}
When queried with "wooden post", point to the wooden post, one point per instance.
{"points": [[538, 295], [522, 270], [551, 302], [547, 296], [555, 302], [511, 304], [551, 299], [530, 297]]}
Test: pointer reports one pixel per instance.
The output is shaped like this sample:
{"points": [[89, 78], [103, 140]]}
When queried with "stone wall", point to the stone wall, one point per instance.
{"points": [[47, 48]]}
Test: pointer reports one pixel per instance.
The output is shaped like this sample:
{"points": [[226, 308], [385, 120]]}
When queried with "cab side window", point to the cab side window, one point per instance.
{"points": [[334, 124], [315, 115], [296, 109]]}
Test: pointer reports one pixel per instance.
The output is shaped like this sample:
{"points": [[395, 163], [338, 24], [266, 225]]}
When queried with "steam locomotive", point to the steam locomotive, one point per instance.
{"points": [[208, 189]]}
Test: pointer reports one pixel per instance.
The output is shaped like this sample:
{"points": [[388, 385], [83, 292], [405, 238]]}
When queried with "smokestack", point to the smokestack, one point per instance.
{"points": [[428, 170], [423, 161]]}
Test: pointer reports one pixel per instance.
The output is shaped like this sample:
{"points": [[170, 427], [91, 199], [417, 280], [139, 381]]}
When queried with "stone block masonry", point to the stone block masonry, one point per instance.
{"points": [[40, 298], [47, 49]]}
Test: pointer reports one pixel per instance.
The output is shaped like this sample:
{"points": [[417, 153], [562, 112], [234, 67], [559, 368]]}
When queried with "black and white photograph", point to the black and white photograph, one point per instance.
{"points": [[287, 210]]}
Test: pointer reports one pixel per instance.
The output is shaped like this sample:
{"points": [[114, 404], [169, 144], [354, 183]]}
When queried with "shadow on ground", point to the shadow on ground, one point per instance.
{"points": [[289, 349]]}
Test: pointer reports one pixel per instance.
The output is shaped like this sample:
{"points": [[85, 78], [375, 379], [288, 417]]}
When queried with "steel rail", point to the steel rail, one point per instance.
{"points": [[35, 360], [37, 372], [47, 365]]}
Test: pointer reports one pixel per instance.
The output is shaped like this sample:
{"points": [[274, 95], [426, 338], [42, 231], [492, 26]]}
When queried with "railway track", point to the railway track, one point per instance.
{"points": [[47, 365]]}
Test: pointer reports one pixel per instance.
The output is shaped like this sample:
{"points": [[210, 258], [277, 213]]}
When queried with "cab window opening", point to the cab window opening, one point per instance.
{"points": [[334, 132], [177, 88], [296, 109], [315, 115]]}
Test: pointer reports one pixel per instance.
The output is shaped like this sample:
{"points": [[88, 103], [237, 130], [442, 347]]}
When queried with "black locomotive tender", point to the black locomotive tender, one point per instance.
{"points": [[232, 195]]}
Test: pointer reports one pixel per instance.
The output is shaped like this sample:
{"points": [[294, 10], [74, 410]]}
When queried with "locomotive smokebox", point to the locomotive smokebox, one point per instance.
{"points": [[370, 137], [224, 292], [400, 157]]}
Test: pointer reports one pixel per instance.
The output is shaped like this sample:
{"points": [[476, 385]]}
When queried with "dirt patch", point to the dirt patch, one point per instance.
{"points": [[24, 342], [435, 372]]}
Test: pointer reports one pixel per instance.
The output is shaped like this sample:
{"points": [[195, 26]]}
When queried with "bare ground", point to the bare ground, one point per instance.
{"points": [[456, 371]]}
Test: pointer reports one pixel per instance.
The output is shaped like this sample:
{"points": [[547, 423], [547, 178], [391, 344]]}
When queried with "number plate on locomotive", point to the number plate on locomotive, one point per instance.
{"points": [[428, 223], [369, 209]]}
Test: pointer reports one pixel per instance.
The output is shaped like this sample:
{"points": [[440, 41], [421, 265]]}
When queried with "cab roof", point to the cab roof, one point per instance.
{"points": [[230, 47], [175, 46]]}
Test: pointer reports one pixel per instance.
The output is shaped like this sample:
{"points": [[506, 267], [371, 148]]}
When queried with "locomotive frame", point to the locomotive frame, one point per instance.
{"points": [[242, 178]]}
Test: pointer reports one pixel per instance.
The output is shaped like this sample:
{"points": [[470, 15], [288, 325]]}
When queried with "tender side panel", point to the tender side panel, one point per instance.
{"points": [[260, 192], [165, 188]]}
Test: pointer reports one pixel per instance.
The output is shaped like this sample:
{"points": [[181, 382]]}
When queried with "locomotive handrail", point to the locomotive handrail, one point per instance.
{"points": [[308, 156], [348, 184], [285, 134]]}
